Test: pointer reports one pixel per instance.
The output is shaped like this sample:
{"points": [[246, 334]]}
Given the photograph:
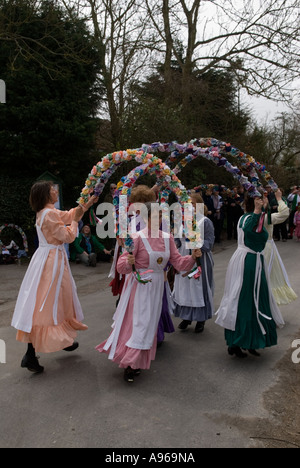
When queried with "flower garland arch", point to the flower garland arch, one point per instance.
{"points": [[209, 148], [104, 169], [165, 176], [167, 180], [21, 232], [215, 151], [152, 165]]}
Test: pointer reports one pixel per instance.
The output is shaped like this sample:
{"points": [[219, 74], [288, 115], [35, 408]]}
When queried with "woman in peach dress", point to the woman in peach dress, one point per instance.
{"points": [[48, 313]]}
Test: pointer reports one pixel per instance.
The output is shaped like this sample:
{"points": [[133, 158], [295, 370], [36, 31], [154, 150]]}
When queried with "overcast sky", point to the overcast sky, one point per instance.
{"points": [[264, 110]]}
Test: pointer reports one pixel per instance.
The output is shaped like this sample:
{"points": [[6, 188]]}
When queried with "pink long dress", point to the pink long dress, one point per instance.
{"points": [[136, 318], [297, 224], [48, 313]]}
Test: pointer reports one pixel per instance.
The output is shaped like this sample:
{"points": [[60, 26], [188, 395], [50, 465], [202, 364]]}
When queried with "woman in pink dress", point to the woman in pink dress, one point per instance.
{"points": [[48, 313], [132, 343]]}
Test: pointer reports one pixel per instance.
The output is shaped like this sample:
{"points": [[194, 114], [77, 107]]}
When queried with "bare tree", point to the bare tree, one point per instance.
{"points": [[120, 30], [284, 140], [277, 144], [258, 39]]}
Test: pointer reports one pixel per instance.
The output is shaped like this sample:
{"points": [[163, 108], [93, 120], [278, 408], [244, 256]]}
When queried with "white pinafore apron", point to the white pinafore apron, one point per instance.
{"points": [[24, 310], [227, 312], [147, 302], [187, 292]]}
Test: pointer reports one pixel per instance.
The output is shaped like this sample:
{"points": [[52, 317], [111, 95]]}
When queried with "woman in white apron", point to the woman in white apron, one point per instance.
{"points": [[48, 313], [248, 310], [132, 343], [194, 299], [140, 195]]}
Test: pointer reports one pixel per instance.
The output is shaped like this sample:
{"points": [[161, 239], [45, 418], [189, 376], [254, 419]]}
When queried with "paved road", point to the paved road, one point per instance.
{"points": [[193, 396]]}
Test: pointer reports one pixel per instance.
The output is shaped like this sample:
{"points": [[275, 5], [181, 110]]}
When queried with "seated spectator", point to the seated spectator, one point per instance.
{"points": [[87, 248], [5, 256], [13, 248]]}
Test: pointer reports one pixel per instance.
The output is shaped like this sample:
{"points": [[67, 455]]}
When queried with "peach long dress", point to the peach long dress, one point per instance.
{"points": [[48, 313]]}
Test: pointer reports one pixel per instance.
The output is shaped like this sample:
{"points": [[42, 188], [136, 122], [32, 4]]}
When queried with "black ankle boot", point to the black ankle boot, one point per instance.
{"points": [[253, 352], [31, 362], [74, 346], [129, 375], [236, 350], [199, 328], [184, 324]]}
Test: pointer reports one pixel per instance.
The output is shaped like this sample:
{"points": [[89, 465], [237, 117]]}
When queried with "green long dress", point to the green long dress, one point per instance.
{"points": [[248, 333]]}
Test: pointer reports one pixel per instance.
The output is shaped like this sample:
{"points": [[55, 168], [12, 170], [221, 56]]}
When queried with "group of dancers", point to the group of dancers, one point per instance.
{"points": [[48, 313]]}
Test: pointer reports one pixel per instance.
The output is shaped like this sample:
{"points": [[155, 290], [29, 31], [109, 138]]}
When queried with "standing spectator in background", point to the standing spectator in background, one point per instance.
{"points": [[218, 214], [110, 196], [273, 205], [297, 223], [208, 201], [281, 229], [272, 199], [241, 194], [293, 201], [234, 212]]}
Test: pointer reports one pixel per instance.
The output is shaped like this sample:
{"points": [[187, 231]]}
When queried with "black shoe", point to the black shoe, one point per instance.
{"points": [[199, 328], [137, 372], [74, 346], [129, 375], [184, 324], [32, 364], [236, 351], [253, 352]]}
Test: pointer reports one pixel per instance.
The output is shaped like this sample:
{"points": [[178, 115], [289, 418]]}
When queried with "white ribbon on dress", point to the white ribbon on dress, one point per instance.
{"points": [[257, 284]]}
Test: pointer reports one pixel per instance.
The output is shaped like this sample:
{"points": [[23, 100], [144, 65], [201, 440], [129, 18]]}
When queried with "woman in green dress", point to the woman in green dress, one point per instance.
{"points": [[248, 310]]}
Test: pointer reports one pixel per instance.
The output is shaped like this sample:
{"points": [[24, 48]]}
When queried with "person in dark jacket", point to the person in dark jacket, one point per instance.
{"points": [[86, 247]]}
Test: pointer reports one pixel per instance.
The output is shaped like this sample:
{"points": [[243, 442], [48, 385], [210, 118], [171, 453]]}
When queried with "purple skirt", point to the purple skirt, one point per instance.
{"points": [[165, 324]]}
